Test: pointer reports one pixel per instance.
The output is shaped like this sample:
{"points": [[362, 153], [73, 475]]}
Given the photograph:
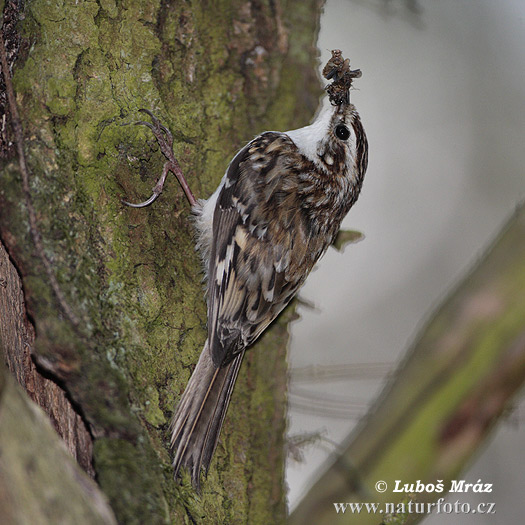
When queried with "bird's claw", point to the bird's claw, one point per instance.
{"points": [[165, 141], [142, 204], [158, 129]]}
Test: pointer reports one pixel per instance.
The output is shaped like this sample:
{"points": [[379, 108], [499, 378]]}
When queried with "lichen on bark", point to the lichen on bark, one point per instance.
{"points": [[217, 75]]}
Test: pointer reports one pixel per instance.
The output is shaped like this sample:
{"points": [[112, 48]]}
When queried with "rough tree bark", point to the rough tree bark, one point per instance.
{"points": [[217, 74]]}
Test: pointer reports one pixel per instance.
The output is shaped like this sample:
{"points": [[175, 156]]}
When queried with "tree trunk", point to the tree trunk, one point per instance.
{"points": [[115, 346]]}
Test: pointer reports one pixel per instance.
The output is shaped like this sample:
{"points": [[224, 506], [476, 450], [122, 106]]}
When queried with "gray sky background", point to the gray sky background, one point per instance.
{"points": [[442, 99]]}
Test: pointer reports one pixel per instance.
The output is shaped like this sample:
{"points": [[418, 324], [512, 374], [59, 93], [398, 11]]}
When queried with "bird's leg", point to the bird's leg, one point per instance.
{"points": [[165, 141]]}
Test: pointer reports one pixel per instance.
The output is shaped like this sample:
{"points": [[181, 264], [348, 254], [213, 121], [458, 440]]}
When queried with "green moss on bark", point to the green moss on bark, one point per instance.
{"points": [[216, 76]]}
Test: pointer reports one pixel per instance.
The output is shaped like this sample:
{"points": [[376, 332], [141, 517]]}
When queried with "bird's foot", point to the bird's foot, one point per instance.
{"points": [[165, 141]]}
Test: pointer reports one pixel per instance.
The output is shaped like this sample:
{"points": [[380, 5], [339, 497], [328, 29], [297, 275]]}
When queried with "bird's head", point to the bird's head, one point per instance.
{"points": [[335, 141]]}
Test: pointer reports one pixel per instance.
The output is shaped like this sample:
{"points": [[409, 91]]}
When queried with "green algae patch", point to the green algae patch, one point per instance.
{"points": [[132, 277]]}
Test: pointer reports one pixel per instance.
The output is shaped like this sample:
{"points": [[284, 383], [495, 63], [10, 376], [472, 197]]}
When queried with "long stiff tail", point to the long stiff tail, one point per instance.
{"points": [[197, 422]]}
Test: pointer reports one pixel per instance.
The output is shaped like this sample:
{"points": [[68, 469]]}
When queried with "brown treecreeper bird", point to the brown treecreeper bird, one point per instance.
{"points": [[277, 209]]}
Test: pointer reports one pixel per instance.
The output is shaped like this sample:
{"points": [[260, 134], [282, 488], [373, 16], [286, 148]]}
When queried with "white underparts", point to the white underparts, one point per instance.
{"points": [[204, 210]]}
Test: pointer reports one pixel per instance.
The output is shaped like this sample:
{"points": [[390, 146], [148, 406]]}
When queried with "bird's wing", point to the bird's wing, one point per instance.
{"points": [[262, 249]]}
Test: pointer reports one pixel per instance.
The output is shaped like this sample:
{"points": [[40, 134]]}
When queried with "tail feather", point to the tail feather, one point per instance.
{"points": [[198, 419]]}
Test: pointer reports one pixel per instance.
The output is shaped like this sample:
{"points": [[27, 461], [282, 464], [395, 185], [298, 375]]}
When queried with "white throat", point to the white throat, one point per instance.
{"points": [[307, 138]]}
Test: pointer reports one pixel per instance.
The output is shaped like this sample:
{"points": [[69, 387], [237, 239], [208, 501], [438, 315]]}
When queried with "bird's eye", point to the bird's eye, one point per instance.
{"points": [[342, 132]]}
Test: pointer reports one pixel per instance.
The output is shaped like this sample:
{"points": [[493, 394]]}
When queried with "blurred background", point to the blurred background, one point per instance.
{"points": [[442, 99]]}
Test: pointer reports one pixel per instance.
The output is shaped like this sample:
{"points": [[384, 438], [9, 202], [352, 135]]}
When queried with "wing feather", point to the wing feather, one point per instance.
{"points": [[260, 249]]}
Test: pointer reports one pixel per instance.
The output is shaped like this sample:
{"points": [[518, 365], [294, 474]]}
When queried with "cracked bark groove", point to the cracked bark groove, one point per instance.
{"points": [[217, 78], [17, 337]]}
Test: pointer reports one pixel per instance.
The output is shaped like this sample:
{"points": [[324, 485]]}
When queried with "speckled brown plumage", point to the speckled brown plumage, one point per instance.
{"points": [[275, 213], [277, 209]]}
